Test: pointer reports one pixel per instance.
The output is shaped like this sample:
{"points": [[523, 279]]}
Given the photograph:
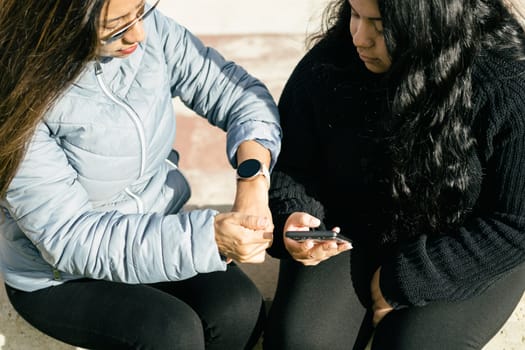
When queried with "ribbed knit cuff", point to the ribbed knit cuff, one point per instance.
{"points": [[390, 287]]}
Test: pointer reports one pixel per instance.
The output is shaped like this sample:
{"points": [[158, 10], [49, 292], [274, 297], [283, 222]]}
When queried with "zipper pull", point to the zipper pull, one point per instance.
{"points": [[98, 68], [56, 275]]}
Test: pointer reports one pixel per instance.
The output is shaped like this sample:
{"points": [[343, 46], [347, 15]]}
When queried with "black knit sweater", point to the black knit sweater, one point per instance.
{"points": [[332, 166]]}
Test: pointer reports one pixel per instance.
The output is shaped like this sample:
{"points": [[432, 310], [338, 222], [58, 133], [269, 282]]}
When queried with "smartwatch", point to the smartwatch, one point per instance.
{"points": [[250, 169]]}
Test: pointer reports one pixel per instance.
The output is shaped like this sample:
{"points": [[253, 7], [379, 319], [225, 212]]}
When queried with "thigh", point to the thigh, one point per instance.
{"points": [[228, 303], [105, 315], [467, 324], [315, 307]]}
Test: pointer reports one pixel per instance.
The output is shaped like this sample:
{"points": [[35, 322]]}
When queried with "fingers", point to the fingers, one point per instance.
{"points": [[246, 250], [300, 220], [257, 229], [311, 253], [379, 304], [243, 238], [248, 253], [256, 257], [256, 223], [246, 228], [379, 315]]}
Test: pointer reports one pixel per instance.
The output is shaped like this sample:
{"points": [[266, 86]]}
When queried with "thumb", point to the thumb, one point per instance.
{"points": [[313, 221], [308, 220], [300, 220]]}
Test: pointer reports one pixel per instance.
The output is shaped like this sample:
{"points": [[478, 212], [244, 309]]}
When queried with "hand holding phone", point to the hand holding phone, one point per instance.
{"points": [[316, 245]]}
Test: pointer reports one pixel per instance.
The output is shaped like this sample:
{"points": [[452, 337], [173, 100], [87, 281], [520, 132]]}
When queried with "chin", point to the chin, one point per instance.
{"points": [[376, 68]]}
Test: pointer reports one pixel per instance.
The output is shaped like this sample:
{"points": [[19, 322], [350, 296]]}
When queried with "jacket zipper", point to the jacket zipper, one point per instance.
{"points": [[138, 125]]}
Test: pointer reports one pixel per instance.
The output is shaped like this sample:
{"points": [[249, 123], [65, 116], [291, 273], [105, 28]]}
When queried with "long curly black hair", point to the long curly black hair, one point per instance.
{"points": [[433, 45]]}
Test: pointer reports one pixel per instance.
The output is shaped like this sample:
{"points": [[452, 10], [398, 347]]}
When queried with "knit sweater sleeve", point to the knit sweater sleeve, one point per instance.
{"points": [[294, 179], [491, 243]]}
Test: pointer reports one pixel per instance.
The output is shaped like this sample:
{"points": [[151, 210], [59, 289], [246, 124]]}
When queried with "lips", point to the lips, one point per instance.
{"points": [[129, 50], [367, 59]]}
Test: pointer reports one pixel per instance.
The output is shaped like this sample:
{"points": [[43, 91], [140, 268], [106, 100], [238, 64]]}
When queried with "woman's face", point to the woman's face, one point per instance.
{"points": [[367, 33], [116, 14]]}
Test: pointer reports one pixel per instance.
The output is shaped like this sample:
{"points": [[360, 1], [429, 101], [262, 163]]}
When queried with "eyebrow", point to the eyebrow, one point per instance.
{"points": [[369, 18], [126, 15]]}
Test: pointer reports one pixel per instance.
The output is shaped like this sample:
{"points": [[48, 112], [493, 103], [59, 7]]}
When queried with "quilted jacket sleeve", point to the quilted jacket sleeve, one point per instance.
{"points": [[219, 90], [53, 211]]}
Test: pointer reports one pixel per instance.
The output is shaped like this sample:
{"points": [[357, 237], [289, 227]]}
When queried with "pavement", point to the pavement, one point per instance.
{"points": [[271, 58]]}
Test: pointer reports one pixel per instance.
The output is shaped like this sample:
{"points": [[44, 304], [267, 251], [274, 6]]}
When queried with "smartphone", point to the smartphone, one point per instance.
{"points": [[316, 235]]}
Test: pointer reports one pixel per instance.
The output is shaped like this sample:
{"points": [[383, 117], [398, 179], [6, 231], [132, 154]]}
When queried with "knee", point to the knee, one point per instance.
{"points": [[236, 322], [175, 329], [243, 305]]}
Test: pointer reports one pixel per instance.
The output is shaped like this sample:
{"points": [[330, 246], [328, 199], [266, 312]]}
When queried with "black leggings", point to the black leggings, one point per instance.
{"points": [[316, 308], [220, 310]]}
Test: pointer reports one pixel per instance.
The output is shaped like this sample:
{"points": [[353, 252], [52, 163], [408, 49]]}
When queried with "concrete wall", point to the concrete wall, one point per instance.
{"points": [[246, 16]]}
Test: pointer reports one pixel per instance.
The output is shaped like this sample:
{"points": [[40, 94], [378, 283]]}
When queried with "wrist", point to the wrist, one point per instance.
{"points": [[248, 193], [253, 170]]}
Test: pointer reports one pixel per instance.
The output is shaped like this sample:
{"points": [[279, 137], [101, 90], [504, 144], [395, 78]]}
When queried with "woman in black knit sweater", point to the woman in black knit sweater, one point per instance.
{"points": [[404, 126]]}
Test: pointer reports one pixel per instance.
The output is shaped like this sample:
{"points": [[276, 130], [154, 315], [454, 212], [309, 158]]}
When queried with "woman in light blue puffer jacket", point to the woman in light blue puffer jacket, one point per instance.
{"points": [[94, 249]]}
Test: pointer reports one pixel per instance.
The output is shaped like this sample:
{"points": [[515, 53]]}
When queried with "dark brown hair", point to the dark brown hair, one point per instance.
{"points": [[44, 45]]}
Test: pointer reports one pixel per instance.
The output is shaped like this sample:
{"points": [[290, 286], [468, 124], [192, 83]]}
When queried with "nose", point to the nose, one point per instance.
{"points": [[364, 35], [135, 34]]}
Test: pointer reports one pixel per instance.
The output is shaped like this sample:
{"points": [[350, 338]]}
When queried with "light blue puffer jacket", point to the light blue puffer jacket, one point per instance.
{"points": [[90, 198]]}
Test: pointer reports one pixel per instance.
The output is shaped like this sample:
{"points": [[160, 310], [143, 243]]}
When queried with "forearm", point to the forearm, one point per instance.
{"points": [[254, 191], [252, 149]]}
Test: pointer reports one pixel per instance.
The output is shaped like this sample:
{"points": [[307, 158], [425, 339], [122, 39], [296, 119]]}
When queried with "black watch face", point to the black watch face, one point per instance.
{"points": [[249, 168]]}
